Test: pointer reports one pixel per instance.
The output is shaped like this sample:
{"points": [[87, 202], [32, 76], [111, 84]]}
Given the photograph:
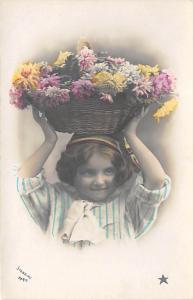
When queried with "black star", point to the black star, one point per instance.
{"points": [[163, 279]]}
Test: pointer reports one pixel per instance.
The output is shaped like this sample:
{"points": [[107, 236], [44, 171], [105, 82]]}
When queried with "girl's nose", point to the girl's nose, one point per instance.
{"points": [[99, 180]]}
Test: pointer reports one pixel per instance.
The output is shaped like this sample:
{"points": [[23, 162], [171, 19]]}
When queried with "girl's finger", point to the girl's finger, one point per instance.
{"points": [[140, 114], [34, 112], [144, 111], [40, 114]]}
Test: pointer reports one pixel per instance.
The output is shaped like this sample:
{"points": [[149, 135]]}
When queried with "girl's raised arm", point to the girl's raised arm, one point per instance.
{"points": [[33, 165], [152, 170]]}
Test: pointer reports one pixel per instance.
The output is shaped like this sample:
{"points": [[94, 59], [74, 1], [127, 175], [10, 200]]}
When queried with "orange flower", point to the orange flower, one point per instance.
{"points": [[26, 76]]}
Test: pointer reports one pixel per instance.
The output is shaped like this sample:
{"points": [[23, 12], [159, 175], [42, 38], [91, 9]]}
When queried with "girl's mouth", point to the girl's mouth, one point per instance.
{"points": [[98, 189]]}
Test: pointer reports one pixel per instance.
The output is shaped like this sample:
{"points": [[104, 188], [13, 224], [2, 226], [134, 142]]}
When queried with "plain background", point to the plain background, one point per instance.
{"points": [[145, 32]]}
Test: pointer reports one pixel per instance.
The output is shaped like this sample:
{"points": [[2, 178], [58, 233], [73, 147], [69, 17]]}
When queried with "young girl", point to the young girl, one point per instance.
{"points": [[100, 195]]}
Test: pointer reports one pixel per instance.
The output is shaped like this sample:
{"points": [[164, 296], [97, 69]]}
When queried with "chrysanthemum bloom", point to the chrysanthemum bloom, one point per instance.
{"points": [[130, 72], [26, 76], [163, 83], [55, 96], [62, 57], [50, 80], [165, 109], [104, 83], [37, 98], [116, 60], [147, 70], [106, 98], [86, 58], [49, 98], [120, 81], [45, 69], [142, 87], [96, 68], [86, 76], [171, 78], [82, 88], [102, 77], [17, 99], [169, 73], [109, 83]]}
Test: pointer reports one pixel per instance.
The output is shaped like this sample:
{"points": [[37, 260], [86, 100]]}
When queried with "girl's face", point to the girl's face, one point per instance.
{"points": [[95, 180]]}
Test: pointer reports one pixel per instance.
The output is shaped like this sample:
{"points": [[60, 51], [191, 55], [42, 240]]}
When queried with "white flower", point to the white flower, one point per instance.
{"points": [[130, 72], [99, 67]]}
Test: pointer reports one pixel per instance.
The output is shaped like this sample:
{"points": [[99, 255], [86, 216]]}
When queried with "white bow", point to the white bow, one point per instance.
{"points": [[81, 225]]}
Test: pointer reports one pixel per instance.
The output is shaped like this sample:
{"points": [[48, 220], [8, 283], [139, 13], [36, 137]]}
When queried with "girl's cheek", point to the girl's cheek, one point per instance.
{"points": [[82, 181], [110, 179], [86, 180]]}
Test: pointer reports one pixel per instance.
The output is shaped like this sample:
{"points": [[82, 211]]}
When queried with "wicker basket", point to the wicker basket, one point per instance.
{"points": [[91, 116]]}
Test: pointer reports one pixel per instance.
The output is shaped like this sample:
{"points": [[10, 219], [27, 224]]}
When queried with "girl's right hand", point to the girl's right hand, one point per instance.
{"points": [[48, 131], [132, 125]]}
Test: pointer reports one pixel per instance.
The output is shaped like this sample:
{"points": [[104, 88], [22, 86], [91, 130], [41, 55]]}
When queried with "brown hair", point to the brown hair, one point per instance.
{"points": [[79, 153]]}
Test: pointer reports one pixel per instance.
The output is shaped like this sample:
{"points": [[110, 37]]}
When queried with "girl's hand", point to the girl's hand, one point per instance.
{"points": [[132, 125], [49, 132], [153, 173]]}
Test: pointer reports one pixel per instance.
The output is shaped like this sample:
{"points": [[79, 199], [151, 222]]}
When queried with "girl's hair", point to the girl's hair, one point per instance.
{"points": [[79, 153]]}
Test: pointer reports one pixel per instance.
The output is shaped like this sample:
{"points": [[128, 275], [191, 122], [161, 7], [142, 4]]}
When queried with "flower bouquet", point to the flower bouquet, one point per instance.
{"points": [[88, 92]]}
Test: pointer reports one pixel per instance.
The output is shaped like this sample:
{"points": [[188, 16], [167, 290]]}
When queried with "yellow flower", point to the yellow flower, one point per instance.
{"points": [[147, 70], [102, 77], [166, 109], [61, 59], [26, 76], [104, 81], [108, 82], [119, 80]]}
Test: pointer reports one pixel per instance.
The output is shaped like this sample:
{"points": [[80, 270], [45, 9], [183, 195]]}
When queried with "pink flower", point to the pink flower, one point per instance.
{"points": [[86, 58], [163, 83], [45, 69], [82, 88], [65, 97], [116, 60], [55, 96], [143, 87], [106, 98], [50, 97], [50, 80], [17, 99]]}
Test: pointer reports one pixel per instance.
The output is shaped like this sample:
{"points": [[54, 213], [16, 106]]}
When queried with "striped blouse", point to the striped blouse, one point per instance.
{"points": [[56, 209]]}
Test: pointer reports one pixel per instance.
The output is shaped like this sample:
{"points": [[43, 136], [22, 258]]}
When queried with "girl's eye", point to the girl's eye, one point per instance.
{"points": [[88, 172], [109, 171]]}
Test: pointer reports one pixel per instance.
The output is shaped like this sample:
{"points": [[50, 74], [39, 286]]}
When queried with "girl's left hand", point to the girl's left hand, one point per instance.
{"points": [[48, 131], [132, 125]]}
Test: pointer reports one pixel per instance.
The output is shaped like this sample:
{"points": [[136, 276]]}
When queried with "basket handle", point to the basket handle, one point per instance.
{"points": [[82, 42]]}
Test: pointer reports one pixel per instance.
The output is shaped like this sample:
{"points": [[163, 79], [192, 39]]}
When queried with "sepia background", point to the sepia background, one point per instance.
{"points": [[148, 32]]}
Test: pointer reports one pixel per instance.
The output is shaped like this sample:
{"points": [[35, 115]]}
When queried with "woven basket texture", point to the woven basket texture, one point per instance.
{"points": [[91, 116]]}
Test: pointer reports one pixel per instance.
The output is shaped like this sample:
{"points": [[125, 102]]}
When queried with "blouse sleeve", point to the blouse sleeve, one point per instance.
{"points": [[35, 193], [142, 205]]}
